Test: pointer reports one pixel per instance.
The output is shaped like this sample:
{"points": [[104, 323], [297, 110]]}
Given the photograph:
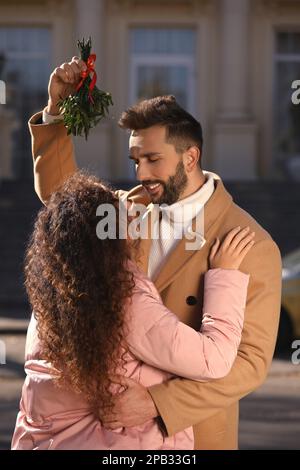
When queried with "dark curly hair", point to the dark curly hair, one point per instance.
{"points": [[78, 286], [182, 129]]}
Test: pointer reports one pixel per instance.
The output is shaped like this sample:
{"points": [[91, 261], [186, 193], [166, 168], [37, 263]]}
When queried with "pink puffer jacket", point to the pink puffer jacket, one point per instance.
{"points": [[160, 347]]}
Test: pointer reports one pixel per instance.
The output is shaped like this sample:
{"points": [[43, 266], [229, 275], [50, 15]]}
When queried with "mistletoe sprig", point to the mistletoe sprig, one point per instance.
{"points": [[83, 110]]}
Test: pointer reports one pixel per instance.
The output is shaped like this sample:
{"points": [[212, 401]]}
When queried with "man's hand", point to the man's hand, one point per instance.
{"points": [[132, 407], [63, 82]]}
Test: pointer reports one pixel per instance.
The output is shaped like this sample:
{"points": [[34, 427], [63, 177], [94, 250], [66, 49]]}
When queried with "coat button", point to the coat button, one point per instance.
{"points": [[191, 300]]}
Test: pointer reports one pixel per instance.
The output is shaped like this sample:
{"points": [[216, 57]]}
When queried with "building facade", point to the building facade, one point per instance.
{"points": [[231, 63]]}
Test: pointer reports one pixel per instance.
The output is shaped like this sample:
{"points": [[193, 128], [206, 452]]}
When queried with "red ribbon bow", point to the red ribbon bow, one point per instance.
{"points": [[85, 73]]}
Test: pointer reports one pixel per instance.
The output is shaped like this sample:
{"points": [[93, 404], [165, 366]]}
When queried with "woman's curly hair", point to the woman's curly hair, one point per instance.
{"points": [[78, 286]]}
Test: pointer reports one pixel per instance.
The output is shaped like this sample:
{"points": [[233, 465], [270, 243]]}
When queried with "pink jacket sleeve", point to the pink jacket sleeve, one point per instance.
{"points": [[159, 339]]}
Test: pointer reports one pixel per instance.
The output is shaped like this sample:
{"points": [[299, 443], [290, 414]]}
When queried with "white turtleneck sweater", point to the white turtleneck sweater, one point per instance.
{"points": [[175, 220]]}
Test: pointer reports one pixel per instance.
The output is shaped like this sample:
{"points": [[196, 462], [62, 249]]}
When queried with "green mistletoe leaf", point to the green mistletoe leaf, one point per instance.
{"points": [[85, 109]]}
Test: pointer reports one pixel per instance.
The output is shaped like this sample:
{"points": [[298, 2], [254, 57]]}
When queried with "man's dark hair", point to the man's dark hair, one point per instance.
{"points": [[182, 129]]}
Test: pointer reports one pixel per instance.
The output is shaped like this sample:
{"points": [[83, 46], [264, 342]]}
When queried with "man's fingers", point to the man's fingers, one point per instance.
{"points": [[107, 419], [69, 71], [76, 69], [110, 421], [61, 74], [80, 63]]}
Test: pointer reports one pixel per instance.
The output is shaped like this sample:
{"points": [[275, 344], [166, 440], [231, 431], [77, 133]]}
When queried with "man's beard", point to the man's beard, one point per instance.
{"points": [[174, 187]]}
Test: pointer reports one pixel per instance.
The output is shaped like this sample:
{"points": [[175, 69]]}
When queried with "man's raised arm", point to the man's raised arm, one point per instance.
{"points": [[52, 148]]}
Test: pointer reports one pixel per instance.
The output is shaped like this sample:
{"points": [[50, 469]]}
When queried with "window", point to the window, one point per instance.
{"points": [[163, 62], [286, 139], [25, 62]]}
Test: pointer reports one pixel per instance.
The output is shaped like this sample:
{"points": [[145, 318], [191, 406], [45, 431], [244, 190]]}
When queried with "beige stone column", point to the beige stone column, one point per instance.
{"points": [[235, 149], [90, 21], [94, 153]]}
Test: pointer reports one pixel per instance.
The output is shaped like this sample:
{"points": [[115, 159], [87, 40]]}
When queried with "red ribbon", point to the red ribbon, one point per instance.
{"points": [[85, 73]]}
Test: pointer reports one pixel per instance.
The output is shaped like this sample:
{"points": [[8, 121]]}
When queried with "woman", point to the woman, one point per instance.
{"points": [[96, 315]]}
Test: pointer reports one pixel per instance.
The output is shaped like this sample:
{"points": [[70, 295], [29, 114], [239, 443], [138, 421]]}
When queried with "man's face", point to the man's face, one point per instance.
{"points": [[159, 168]]}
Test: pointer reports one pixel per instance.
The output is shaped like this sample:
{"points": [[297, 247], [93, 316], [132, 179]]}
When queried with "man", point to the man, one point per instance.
{"points": [[166, 146]]}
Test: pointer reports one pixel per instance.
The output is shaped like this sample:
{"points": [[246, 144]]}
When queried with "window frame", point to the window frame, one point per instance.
{"points": [[278, 57], [159, 60]]}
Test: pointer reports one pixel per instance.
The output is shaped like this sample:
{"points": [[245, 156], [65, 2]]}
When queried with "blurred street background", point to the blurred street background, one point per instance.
{"points": [[235, 65]]}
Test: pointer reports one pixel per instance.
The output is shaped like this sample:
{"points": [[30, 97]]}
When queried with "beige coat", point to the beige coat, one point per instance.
{"points": [[211, 407]]}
